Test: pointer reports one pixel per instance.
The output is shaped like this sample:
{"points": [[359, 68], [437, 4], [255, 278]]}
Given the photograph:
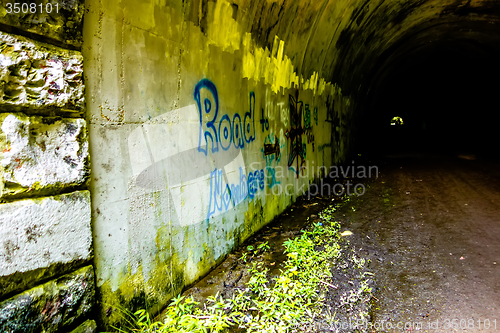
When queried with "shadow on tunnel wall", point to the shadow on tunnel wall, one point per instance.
{"points": [[447, 96]]}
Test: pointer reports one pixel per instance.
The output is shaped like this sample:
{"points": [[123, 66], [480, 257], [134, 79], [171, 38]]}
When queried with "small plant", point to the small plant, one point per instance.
{"points": [[263, 247], [244, 257], [294, 299], [254, 251]]}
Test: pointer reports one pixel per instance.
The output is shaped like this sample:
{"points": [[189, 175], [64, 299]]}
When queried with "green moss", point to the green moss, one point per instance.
{"points": [[135, 293], [52, 306], [18, 281], [88, 326], [63, 25]]}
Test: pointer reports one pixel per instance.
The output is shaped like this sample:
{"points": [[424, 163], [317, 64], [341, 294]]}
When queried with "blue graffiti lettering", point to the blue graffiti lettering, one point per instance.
{"points": [[272, 155], [229, 132], [249, 116], [217, 197], [271, 177], [222, 195], [264, 122], [238, 128], [255, 182], [211, 132]]}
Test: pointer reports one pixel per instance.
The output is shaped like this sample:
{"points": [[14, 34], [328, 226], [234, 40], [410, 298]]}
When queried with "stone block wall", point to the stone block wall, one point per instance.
{"points": [[47, 281]]}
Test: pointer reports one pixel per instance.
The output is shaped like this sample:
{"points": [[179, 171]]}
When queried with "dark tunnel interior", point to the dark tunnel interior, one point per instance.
{"points": [[446, 93]]}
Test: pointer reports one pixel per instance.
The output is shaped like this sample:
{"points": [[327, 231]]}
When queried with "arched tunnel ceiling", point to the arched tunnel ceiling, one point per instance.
{"points": [[471, 39], [348, 42]]}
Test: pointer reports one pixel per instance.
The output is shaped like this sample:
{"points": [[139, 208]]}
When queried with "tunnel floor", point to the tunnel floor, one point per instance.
{"points": [[431, 227]]}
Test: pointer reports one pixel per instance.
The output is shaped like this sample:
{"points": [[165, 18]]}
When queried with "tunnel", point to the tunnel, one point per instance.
{"points": [[434, 87], [149, 139]]}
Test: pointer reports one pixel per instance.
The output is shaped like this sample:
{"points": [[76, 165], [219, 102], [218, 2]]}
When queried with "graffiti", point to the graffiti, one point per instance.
{"points": [[310, 138], [330, 112], [333, 119], [264, 122], [307, 117], [272, 153], [307, 124], [236, 131], [283, 112], [223, 195], [297, 149], [271, 177], [270, 149]]}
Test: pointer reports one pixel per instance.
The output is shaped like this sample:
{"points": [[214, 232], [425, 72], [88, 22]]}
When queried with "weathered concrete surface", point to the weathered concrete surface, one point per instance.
{"points": [[41, 155], [162, 201], [52, 306], [88, 326], [60, 21], [199, 109], [161, 209], [41, 237], [37, 77]]}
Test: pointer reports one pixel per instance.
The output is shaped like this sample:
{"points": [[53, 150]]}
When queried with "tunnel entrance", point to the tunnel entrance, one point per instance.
{"points": [[446, 92]]}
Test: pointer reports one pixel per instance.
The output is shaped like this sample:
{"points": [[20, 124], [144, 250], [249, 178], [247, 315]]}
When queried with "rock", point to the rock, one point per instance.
{"points": [[37, 77], [61, 21], [41, 155], [87, 327], [43, 237], [50, 307], [346, 233]]}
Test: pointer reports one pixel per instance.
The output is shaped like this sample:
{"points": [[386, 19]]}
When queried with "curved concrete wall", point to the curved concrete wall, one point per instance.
{"points": [[201, 135], [206, 120], [198, 110]]}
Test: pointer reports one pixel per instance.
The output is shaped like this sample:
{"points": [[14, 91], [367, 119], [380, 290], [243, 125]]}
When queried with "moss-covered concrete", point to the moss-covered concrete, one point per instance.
{"points": [[155, 190], [198, 110], [51, 307]]}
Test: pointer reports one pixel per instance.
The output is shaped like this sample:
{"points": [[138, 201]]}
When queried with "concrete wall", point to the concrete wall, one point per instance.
{"points": [[46, 274], [206, 120], [200, 136]]}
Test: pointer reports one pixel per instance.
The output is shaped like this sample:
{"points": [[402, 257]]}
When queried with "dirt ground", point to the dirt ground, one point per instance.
{"points": [[430, 226]]}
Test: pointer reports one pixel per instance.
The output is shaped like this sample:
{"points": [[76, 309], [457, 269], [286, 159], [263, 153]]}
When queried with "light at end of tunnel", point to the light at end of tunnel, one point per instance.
{"points": [[397, 121]]}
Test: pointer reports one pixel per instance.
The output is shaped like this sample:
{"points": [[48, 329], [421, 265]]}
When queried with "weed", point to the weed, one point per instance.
{"points": [[294, 299]]}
